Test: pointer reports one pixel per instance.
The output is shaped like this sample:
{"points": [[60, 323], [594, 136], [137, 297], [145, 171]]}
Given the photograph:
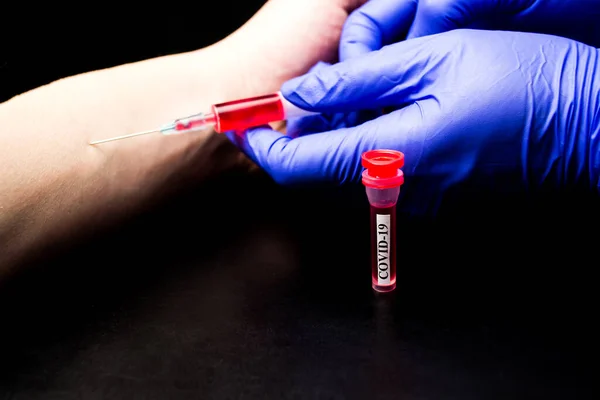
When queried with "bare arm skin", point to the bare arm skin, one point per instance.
{"points": [[54, 186]]}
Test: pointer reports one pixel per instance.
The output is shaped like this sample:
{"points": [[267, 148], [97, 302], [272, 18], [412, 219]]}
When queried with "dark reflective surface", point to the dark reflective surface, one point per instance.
{"points": [[271, 298]]}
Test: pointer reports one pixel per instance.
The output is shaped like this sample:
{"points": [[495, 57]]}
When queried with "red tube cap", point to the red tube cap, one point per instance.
{"points": [[382, 168]]}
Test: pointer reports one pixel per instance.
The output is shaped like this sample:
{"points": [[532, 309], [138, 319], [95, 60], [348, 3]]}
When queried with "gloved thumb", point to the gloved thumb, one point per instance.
{"points": [[391, 76]]}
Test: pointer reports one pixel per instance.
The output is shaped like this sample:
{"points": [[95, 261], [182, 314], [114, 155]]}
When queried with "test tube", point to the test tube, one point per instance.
{"points": [[382, 179]]}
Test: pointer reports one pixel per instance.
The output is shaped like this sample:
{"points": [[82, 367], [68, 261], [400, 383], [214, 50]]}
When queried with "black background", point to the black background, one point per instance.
{"points": [[246, 290], [44, 42]]}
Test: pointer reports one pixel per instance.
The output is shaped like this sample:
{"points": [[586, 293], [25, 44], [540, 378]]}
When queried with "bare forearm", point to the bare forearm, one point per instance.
{"points": [[52, 183]]}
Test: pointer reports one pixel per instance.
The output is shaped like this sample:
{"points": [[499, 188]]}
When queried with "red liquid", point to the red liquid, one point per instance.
{"points": [[383, 248], [246, 113]]}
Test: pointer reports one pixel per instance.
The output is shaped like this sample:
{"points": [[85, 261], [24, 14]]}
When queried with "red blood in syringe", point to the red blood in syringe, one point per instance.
{"points": [[383, 248], [250, 112]]}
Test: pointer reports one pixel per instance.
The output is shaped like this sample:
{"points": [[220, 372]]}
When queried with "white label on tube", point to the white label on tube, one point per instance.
{"points": [[383, 249]]}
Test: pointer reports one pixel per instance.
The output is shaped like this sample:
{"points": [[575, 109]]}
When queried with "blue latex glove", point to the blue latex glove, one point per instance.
{"points": [[495, 110], [379, 22], [325, 121]]}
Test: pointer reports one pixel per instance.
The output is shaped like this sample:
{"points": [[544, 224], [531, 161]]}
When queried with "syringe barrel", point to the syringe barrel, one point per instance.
{"points": [[382, 179], [255, 111]]}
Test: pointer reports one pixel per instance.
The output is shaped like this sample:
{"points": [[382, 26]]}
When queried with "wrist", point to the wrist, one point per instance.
{"points": [[284, 39]]}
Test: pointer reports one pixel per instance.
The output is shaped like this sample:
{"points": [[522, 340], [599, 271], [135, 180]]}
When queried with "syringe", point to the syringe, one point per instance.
{"points": [[232, 115]]}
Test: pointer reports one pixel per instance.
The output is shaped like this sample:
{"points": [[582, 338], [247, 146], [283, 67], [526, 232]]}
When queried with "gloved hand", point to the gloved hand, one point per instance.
{"points": [[499, 110], [381, 22]]}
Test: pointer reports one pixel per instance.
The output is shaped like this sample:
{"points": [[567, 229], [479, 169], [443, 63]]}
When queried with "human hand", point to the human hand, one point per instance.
{"points": [[381, 22], [498, 110]]}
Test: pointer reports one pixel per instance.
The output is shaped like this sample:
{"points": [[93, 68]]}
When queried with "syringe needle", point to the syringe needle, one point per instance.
{"points": [[125, 136]]}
